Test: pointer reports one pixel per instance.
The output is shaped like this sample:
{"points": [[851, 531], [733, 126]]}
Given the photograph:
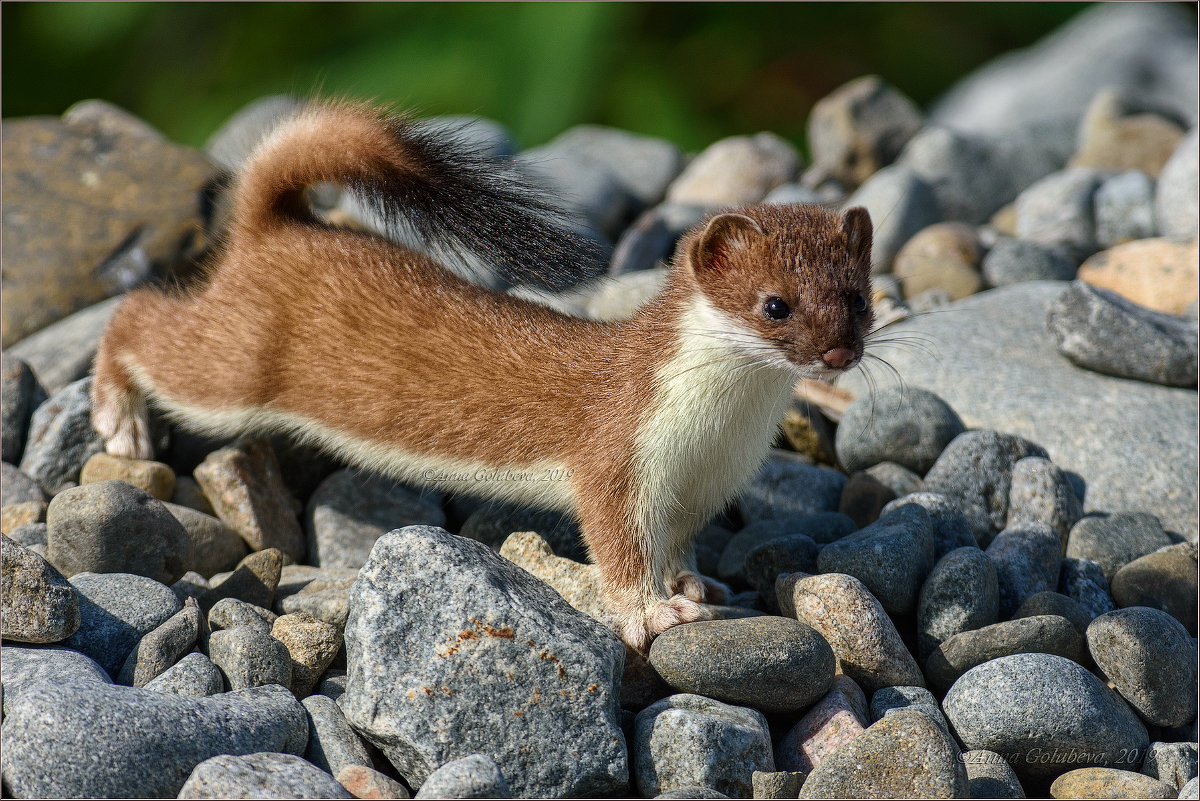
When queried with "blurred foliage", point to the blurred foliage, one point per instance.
{"points": [[691, 72]]}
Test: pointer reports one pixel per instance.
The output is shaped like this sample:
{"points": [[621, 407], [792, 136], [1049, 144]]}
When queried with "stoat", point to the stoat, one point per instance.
{"points": [[643, 429]]}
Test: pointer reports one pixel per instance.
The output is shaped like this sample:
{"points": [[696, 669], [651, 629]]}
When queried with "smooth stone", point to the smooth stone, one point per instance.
{"points": [[188, 494], [1043, 712], [260, 775], [1027, 557], [1172, 763], [1150, 659], [61, 438], [960, 594], [909, 426], [1040, 492], [1160, 274], [1175, 203], [859, 128], [736, 171], [155, 478], [642, 165], [689, 740], [114, 527], [733, 555], [904, 755], [18, 487], [787, 487], [254, 580], [890, 700], [1114, 541], [1191, 789], [64, 352], [151, 741], [764, 563], [1108, 783], [1083, 581], [332, 743], [430, 614], [312, 644], [215, 546], [773, 664], [864, 498], [352, 508], [990, 776], [652, 237], [22, 667], [194, 675], [900, 204], [474, 776], [364, 782], [1102, 331], [1042, 634], [115, 611], [1125, 209], [1164, 579], [693, 791], [809, 432], [161, 648], [248, 658], [1114, 137], [944, 256], [1053, 603], [776, 784], [39, 605], [230, 613], [951, 529], [20, 394], [245, 486], [891, 557], [998, 339], [863, 638], [832, 722], [1012, 261]]}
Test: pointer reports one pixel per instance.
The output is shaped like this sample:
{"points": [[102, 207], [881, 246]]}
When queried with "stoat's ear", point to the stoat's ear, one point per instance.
{"points": [[723, 235], [856, 225]]}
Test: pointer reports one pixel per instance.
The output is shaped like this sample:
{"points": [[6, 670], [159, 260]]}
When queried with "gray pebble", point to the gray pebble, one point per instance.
{"points": [[777, 784], [1054, 603], [1173, 763], [1045, 634], [1151, 660], [162, 647], [1027, 557], [652, 237], [1057, 211], [891, 557], [1043, 713], [898, 478], [692, 791], [735, 171], [66, 350], [1175, 203], [793, 194], [427, 606], [1165, 579], [37, 604], [22, 667], [960, 594], [773, 664], [975, 471], [232, 143], [1116, 540], [1125, 208], [486, 135], [20, 394], [248, 658], [950, 527], [689, 740], [1082, 580], [260, 775], [114, 527], [333, 684], [1102, 331], [194, 675], [889, 700], [332, 744], [733, 556], [150, 741], [230, 613], [909, 426], [353, 508], [474, 776], [764, 562], [1191, 789], [1041, 492], [859, 128], [115, 611], [900, 204], [642, 165], [61, 438], [215, 546], [989, 776], [586, 188], [1011, 261], [16, 487], [788, 486]]}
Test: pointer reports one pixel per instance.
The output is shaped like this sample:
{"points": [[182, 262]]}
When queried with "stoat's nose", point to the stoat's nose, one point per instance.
{"points": [[837, 358]]}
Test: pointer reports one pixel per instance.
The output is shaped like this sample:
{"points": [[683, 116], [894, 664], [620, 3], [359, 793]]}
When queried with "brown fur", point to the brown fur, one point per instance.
{"points": [[378, 342]]}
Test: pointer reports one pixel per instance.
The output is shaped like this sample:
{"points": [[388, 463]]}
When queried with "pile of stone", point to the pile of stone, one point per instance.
{"points": [[976, 581]]}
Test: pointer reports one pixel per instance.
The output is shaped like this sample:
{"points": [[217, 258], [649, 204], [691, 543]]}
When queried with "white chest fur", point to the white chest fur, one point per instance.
{"points": [[715, 413]]}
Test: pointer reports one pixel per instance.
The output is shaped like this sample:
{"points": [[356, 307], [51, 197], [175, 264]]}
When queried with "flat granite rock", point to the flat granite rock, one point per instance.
{"points": [[994, 361]]}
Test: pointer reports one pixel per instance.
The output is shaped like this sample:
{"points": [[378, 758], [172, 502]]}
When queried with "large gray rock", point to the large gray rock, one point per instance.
{"points": [[441, 628], [692, 741], [994, 361], [115, 611], [1027, 707], [1146, 51], [22, 667], [79, 739]]}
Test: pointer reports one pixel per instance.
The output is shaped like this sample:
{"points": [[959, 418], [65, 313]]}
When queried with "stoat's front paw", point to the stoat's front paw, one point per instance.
{"points": [[640, 626]]}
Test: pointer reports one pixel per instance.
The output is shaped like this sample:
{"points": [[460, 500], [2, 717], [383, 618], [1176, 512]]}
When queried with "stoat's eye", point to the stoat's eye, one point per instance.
{"points": [[776, 309], [860, 304]]}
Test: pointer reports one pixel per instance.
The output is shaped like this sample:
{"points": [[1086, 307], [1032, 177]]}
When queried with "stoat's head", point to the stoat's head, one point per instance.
{"points": [[788, 285]]}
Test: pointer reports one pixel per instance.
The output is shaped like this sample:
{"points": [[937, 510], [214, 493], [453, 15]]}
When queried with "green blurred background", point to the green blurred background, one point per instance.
{"points": [[690, 72]]}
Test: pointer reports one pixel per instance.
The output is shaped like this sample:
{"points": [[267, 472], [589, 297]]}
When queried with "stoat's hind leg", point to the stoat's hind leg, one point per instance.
{"points": [[119, 412]]}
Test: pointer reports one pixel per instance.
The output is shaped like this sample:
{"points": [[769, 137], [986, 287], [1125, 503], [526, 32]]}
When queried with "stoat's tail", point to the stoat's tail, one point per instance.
{"points": [[454, 197]]}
